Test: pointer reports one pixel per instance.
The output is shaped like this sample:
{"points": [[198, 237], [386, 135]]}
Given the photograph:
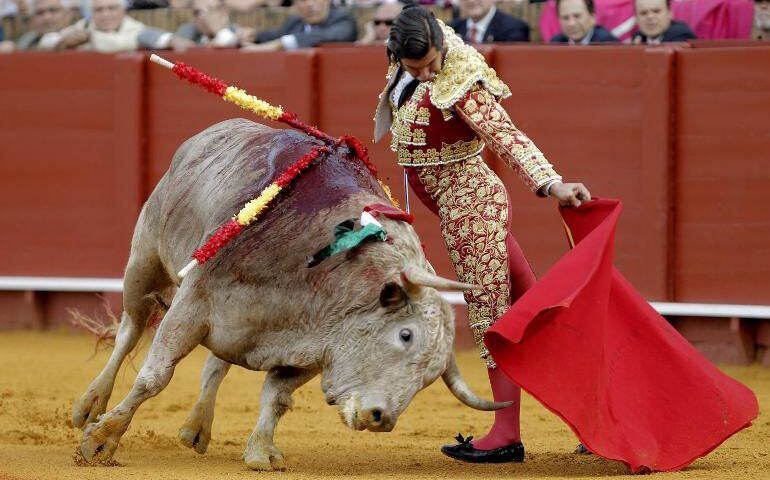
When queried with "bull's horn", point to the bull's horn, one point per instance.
{"points": [[460, 389], [415, 276]]}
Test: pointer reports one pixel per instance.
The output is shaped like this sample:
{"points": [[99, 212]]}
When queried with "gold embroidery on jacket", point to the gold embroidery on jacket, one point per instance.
{"points": [[484, 114], [463, 68], [473, 209]]}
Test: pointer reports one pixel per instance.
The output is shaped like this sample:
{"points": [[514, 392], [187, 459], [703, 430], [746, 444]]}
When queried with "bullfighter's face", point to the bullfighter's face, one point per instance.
{"points": [[426, 68]]}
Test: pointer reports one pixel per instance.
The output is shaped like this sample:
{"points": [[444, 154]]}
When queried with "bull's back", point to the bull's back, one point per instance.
{"points": [[216, 172]]}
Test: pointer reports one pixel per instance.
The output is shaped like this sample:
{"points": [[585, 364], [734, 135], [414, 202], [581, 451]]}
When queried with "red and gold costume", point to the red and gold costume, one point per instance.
{"points": [[438, 135]]}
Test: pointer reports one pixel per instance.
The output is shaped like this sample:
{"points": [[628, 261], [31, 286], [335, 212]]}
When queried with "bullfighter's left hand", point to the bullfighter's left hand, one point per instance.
{"points": [[569, 194]]}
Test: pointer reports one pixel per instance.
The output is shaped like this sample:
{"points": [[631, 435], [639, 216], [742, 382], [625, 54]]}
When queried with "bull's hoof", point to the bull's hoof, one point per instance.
{"points": [[98, 445], [263, 455], [92, 404], [262, 461], [196, 431]]}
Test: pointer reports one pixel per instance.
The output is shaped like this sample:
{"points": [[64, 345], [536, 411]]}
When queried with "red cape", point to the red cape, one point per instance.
{"points": [[592, 350]]}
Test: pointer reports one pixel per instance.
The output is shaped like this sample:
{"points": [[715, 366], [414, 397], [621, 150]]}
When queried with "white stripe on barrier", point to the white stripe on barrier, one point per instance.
{"points": [[74, 284], [61, 284]]}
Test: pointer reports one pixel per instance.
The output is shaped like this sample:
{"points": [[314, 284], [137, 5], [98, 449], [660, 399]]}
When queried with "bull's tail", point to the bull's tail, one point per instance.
{"points": [[105, 330]]}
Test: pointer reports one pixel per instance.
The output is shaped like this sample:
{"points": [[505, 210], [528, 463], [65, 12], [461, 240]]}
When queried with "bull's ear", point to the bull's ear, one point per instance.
{"points": [[392, 296]]}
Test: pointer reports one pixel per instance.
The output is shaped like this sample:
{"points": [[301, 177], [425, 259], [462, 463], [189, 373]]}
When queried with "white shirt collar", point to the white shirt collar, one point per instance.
{"points": [[481, 25], [395, 94]]}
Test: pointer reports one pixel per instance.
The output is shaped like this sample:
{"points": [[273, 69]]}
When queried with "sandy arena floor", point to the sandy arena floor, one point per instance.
{"points": [[42, 373]]}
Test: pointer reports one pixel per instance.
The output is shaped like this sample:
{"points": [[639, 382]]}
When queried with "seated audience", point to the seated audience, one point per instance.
{"points": [[106, 28], [578, 24], [6, 46], [761, 20], [249, 5], [378, 30], [147, 4], [48, 18], [211, 27], [9, 8], [657, 24], [482, 22], [318, 21]]}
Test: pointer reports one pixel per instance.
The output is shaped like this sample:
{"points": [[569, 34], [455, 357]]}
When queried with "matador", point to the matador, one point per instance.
{"points": [[441, 105]]}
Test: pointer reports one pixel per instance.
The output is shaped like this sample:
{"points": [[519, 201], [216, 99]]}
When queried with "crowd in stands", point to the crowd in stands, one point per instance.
{"points": [[106, 25]]}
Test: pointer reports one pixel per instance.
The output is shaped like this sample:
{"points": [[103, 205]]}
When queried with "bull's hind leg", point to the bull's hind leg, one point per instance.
{"points": [[184, 327], [261, 453], [144, 275], [196, 431]]}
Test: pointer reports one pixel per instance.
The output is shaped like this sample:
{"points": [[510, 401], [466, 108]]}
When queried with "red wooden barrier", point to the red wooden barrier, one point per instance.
{"points": [[600, 115], [723, 172], [70, 150]]}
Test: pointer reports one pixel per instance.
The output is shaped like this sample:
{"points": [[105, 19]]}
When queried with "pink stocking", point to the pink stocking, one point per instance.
{"points": [[506, 427]]}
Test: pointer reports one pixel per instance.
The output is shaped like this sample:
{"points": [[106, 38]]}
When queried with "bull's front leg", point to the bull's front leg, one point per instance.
{"points": [[261, 453], [181, 330], [196, 431]]}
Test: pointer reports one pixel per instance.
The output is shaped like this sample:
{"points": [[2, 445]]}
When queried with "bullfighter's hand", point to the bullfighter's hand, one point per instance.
{"points": [[570, 194]]}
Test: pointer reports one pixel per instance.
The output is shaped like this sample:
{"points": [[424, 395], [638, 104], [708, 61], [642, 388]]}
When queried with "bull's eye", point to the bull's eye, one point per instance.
{"points": [[406, 335]]}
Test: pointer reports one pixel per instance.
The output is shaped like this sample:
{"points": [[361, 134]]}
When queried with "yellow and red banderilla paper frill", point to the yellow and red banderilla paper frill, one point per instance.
{"points": [[255, 207], [591, 349]]}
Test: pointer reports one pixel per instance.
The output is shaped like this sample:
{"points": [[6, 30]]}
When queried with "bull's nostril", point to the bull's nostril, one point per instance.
{"points": [[376, 415]]}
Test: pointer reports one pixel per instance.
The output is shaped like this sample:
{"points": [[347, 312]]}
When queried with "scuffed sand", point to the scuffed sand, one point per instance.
{"points": [[43, 373]]}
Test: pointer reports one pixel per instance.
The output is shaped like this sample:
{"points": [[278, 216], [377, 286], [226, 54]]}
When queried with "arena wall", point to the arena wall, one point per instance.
{"points": [[680, 134], [722, 175]]}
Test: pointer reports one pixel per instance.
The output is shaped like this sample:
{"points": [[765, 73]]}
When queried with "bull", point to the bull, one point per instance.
{"points": [[369, 321]]}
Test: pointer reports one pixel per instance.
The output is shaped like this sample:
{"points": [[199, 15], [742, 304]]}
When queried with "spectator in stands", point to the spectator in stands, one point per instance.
{"points": [[147, 4], [49, 17], [211, 27], [761, 20], [317, 22], [578, 24], [378, 30], [8, 8], [482, 22], [106, 28], [657, 24], [249, 5], [6, 46]]}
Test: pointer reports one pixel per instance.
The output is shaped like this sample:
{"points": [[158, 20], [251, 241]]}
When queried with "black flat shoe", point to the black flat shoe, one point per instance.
{"points": [[464, 451], [582, 450]]}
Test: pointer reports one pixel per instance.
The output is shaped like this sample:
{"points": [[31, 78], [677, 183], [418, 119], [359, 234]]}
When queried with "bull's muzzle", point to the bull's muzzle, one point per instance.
{"points": [[372, 418]]}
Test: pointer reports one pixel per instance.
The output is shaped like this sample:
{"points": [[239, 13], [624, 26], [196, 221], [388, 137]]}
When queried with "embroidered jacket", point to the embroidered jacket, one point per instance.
{"points": [[450, 118]]}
